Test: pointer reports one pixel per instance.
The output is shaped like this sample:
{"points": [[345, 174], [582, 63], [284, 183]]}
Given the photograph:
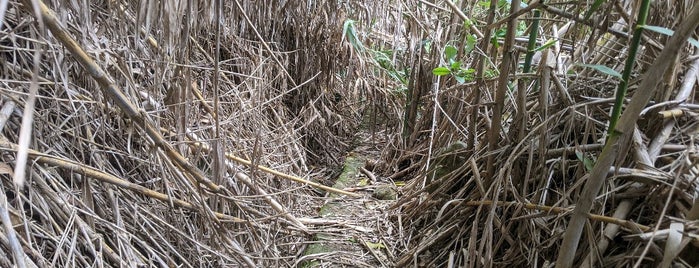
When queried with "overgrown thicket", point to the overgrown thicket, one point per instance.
{"points": [[502, 151], [147, 134], [187, 133]]}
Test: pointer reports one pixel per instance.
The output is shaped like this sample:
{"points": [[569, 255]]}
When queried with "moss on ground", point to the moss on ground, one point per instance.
{"points": [[348, 178]]}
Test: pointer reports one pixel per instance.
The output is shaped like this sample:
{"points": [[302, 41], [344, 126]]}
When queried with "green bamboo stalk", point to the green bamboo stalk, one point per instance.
{"points": [[533, 35], [630, 61]]}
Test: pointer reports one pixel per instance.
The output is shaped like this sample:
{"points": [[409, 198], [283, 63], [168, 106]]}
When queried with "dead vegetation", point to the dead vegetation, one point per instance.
{"points": [[160, 137], [529, 149], [144, 151]]}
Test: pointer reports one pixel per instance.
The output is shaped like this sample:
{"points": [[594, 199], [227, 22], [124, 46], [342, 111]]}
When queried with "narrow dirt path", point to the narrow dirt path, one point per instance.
{"points": [[358, 231]]}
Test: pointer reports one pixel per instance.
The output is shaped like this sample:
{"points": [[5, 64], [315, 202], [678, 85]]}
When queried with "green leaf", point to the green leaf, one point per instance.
{"points": [[521, 28], [546, 45], [455, 66], [380, 56], [347, 27], [470, 43], [440, 71], [589, 163], [464, 75], [500, 33], [427, 44], [490, 73], [694, 42], [450, 52], [603, 69], [349, 31], [668, 32], [467, 23], [658, 29]]}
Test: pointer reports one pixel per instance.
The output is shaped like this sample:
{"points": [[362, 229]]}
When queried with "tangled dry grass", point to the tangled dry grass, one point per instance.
{"points": [[508, 202], [168, 134], [160, 139]]}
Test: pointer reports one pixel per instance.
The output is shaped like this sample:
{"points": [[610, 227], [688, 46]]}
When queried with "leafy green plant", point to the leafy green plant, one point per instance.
{"points": [[349, 31], [455, 67], [383, 58]]}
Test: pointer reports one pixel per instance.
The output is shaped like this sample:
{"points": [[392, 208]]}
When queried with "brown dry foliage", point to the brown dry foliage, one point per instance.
{"points": [[99, 191], [516, 215], [291, 92]]}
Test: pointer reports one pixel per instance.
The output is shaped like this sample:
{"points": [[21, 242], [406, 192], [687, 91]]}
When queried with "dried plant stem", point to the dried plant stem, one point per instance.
{"points": [[230, 156], [503, 83], [12, 241], [559, 210], [111, 179], [463, 16]]}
